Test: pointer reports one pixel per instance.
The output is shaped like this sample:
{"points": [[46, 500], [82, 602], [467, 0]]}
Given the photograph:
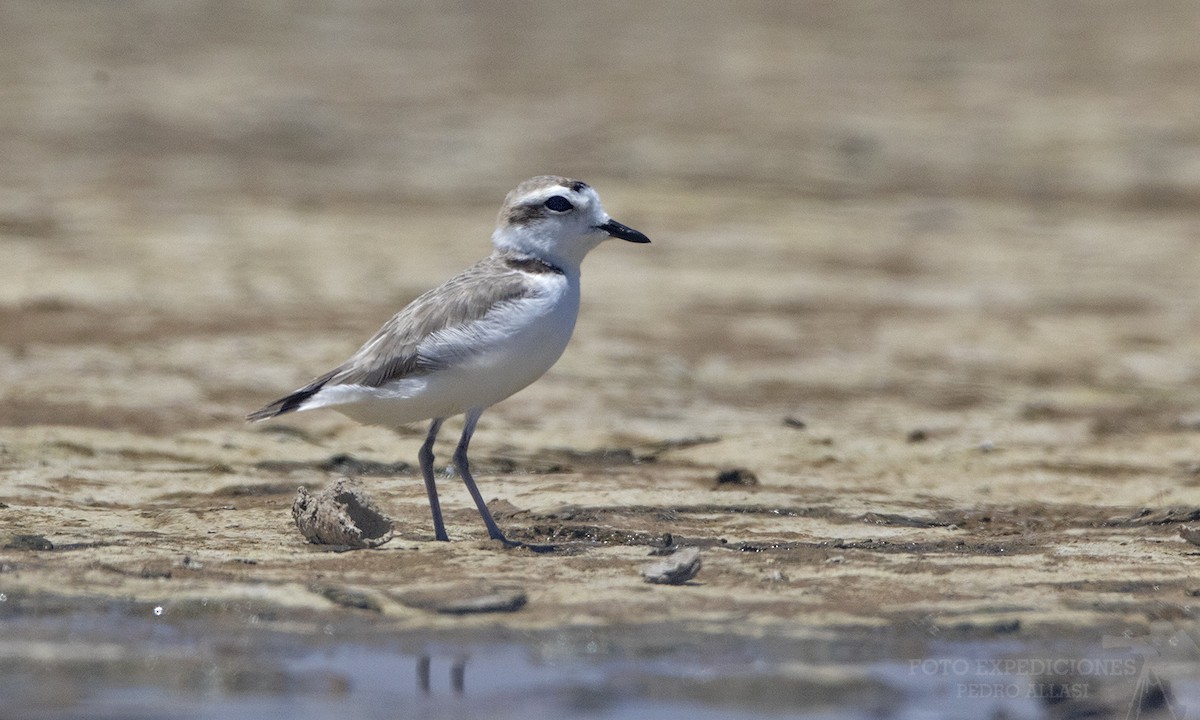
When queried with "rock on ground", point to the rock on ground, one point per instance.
{"points": [[342, 514]]}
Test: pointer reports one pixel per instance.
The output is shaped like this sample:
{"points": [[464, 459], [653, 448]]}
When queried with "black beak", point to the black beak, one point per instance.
{"points": [[617, 230]]}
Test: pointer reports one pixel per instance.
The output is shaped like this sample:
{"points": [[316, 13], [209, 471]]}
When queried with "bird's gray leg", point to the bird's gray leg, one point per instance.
{"points": [[460, 462], [426, 458], [464, 469]]}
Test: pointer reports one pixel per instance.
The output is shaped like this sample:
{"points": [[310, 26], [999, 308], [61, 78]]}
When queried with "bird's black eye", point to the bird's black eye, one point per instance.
{"points": [[558, 203]]}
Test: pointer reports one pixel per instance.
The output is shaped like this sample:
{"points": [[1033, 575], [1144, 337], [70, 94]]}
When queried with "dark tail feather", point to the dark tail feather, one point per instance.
{"points": [[289, 403]]}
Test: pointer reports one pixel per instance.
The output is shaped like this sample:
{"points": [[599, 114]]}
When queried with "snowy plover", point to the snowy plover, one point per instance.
{"points": [[478, 338]]}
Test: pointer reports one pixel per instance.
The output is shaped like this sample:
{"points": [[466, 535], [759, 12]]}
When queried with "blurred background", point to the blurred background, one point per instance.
{"points": [[222, 167], [182, 104], [956, 204], [932, 261]]}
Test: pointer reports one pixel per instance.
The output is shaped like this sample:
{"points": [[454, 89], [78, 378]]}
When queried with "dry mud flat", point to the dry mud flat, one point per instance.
{"points": [[950, 454]]}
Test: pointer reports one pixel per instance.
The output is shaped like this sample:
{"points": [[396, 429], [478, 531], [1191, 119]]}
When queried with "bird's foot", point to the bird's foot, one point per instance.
{"points": [[531, 547]]}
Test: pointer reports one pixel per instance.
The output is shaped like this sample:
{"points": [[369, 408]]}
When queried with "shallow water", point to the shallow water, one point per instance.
{"points": [[114, 666]]}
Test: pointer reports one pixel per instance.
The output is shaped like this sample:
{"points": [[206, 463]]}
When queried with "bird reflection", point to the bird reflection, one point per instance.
{"points": [[458, 674]]}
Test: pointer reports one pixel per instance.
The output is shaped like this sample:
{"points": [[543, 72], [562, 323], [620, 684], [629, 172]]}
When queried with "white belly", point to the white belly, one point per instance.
{"points": [[497, 359]]}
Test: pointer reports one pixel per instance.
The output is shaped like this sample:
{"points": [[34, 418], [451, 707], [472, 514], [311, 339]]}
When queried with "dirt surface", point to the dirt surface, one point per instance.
{"points": [[927, 275]]}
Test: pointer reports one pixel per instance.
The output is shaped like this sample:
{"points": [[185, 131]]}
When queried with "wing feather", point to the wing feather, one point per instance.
{"points": [[395, 351]]}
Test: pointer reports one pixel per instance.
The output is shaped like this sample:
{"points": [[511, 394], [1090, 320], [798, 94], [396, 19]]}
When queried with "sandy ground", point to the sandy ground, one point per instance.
{"points": [[932, 283]]}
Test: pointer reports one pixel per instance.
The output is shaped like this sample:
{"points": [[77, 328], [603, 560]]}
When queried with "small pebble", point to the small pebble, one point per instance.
{"points": [[1191, 533], [350, 597], [1189, 421], [466, 599], [159, 570], [28, 542], [737, 476], [675, 569], [666, 546]]}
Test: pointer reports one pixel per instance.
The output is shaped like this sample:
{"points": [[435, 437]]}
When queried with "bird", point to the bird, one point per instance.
{"points": [[478, 338]]}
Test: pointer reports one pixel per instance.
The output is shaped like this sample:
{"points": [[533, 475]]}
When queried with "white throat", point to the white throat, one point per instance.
{"points": [[552, 247]]}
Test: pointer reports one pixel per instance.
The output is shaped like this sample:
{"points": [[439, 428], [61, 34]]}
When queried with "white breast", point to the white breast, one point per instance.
{"points": [[484, 362]]}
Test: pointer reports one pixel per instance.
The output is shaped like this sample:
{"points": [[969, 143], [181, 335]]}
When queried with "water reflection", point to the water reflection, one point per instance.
{"points": [[116, 668], [458, 673]]}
